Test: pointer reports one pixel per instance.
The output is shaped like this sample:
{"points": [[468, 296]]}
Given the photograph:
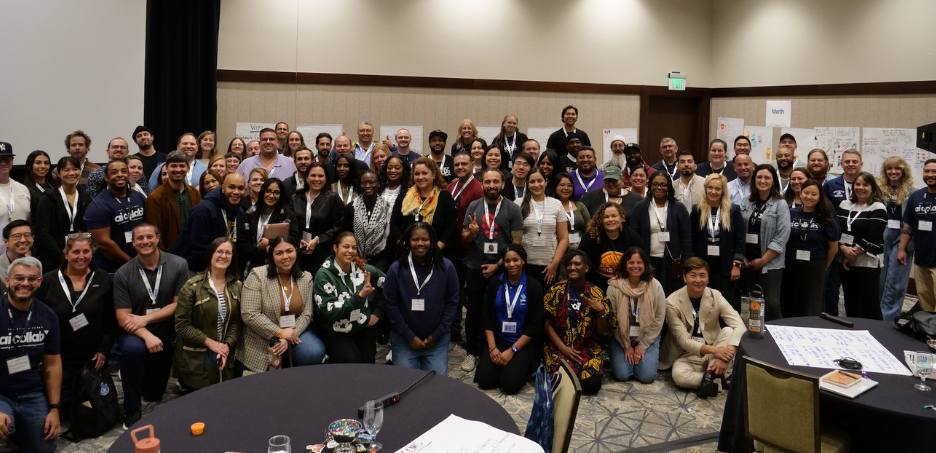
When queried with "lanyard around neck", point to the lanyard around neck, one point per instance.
{"points": [[492, 224], [511, 304], [71, 211], [68, 293], [714, 224], [419, 287], [149, 289]]}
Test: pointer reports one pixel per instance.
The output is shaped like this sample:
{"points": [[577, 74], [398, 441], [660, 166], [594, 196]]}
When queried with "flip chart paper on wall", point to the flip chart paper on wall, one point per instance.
{"points": [[761, 143], [779, 113], [310, 131], [488, 133], [251, 131], [415, 131], [880, 143], [630, 136], [805, 142], [834, 141], [728, 130], [541, 135]]}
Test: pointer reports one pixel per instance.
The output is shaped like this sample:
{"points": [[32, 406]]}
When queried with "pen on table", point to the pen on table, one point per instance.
{"points": [[849, 375]]}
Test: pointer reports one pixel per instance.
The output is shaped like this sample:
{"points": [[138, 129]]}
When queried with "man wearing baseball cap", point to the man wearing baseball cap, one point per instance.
{"points": [[13, 195], [445, 162], [786, 160], [143, 137], [633, 159], [612, 192]]}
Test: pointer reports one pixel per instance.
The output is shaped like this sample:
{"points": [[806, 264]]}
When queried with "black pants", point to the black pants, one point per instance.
{"points": [[474, 332], [770, 282], [830, 296], [801, 292], [511, 377], [861, 285], [592, 385], [357, 347], [728, 288], [663, 273], [458, 260]]}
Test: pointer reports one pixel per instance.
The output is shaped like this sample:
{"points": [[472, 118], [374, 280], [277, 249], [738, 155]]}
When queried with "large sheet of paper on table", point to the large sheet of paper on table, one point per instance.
{"points": [[457, 435], [809, 346]]}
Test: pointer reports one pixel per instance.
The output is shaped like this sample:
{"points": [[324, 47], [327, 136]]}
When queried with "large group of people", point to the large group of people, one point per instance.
{"points": [[210, 265]]}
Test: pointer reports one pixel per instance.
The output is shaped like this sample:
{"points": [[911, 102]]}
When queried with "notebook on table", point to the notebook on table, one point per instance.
{"points": [[846, 383]]}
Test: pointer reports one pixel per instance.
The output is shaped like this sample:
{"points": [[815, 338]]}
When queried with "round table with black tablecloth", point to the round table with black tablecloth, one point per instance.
{"points": [[889, 417], [241, 415]]}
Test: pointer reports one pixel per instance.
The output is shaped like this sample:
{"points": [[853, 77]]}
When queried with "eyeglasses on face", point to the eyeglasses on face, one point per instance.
{"points": [[22, 278], [661, 185], [18, 236], [223, 252]]}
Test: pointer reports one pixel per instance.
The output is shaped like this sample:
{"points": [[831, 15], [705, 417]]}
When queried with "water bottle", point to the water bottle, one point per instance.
{"points": [[148, 444], [756, 309]]}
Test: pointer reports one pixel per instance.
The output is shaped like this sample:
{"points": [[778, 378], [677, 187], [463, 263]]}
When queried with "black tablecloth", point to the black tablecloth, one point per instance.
{"points": [[243, 414], [889, 417]]}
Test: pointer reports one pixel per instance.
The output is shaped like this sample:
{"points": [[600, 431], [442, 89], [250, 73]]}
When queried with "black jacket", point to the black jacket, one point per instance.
{"points": [[324, 222], [51, 226], [444, 221], [97, 306], [680, 243], [731, 244], [248, 255], [205, 224], [535, 314]]}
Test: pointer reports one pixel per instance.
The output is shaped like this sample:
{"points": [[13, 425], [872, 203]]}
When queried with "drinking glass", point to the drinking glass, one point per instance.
{"points": [[373, 421], [924, 365], [279, 444]]}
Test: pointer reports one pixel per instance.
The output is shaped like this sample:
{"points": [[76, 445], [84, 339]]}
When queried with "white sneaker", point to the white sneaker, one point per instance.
{"points": [[390, 358], [469, 363]]}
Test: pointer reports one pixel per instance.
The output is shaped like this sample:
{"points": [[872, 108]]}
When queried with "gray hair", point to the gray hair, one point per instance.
{"points": [[365, 122], [667, 139], [617, 160], [25, 261]]}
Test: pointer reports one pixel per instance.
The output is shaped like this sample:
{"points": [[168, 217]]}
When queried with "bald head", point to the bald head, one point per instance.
{"points": [[744, 167], [343, 144], [233, 189]]}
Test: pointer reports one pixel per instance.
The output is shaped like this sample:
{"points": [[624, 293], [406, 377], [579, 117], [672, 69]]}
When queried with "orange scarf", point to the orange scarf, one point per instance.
{"points": [[412, 203]]}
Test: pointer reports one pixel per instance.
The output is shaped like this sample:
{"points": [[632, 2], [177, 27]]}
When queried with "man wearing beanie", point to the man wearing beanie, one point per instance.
{"points": [[143, 137]]}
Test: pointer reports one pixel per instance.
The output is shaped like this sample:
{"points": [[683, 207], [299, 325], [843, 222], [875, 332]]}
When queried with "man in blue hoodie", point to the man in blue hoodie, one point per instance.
{"points": [[214, 217]]}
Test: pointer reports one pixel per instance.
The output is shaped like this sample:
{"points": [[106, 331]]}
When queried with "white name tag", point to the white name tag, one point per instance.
{"points": [[893, 224], [78, 322], [508, 327], [802, 255], [750, 238], [699, 339], [151, 310], [713, 250], [128, 236], [307, 236], [356, 316], [538, 241], [634, 331], [847, 239], [663, 236], [18, 364], [490, 248], [925, 225], [575, 238], [287, 321], [418, 305]]}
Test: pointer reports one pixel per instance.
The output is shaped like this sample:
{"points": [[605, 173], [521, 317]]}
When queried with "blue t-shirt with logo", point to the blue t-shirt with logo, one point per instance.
{"points": [[32, 333], [807, 234], [519, 313], [921, 207], [121, 215]]}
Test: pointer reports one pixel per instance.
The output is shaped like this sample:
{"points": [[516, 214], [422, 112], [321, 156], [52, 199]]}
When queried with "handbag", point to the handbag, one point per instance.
{"points": [[94, 409], [917, 323], [541, 425], [676, 269]]}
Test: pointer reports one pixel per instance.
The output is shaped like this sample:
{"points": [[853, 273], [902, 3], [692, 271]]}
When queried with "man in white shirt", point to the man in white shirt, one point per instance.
{"points": [[365, 143], [740, 188], [689, 190], [13, 195]]}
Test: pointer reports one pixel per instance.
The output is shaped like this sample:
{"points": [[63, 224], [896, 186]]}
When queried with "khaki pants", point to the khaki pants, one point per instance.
{"points": [[689, 368], [925, 280]]}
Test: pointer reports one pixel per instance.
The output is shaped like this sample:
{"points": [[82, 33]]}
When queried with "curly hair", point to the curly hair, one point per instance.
{"points": [[595, 227], [404, 178], [906, 180], [357, 258]]}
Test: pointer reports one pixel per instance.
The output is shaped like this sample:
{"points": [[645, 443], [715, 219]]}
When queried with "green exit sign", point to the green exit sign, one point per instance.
{"points": [[676, 84]]}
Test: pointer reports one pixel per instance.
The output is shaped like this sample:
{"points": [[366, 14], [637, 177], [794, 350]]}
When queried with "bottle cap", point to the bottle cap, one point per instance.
{"points": [[198, 428]]}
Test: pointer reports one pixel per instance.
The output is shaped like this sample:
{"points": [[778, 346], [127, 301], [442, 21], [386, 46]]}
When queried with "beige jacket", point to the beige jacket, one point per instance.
{"points": [[695, 192], [680, 319]]}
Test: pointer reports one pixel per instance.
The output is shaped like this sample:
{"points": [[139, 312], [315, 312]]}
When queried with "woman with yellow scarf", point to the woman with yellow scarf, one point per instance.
{"points": [[427, 200]]}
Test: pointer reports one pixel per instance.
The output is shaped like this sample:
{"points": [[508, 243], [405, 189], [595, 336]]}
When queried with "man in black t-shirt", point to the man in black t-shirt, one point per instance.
{"points": [[143, 137], [557, 140]]}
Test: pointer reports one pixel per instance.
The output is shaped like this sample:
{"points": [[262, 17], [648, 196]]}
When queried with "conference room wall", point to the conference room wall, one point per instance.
{"points": [[433, 108], [860, 111], [600, 41]]}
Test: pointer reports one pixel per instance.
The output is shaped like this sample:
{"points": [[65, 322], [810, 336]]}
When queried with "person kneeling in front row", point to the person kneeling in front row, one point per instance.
{"points": [[698, 348]]}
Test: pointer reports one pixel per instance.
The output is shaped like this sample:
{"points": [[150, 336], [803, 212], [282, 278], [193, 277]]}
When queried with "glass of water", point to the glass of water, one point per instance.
{"points": [[373, 421], [279, 444], [924, 366]]}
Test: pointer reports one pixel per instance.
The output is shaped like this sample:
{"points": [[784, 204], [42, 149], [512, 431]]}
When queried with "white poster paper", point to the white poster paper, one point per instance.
{"points": [[834, 141], [541, 135], [880, 143], [249, 132], [458, 435], [310, 131], [488, 133], [728, 130], [779, 113], [630, 136], [812, 347], [805, 142], [761, 143], [415, 131]]}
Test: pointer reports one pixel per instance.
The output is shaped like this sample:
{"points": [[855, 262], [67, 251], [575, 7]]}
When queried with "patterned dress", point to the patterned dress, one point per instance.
{"points": [[575, 323]]}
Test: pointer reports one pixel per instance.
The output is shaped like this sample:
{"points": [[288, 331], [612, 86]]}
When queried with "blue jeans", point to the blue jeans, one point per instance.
{"points": [[27, 422], [644, 371], [894, 277], [143, 374], [311, 350], [435, 359]]}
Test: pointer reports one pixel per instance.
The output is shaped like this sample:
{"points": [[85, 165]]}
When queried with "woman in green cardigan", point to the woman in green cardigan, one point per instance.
{"points": [[349, 296], [207, 319]]}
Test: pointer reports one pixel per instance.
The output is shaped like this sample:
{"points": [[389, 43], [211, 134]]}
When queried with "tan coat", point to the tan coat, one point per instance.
{"points": [[680, 320]]}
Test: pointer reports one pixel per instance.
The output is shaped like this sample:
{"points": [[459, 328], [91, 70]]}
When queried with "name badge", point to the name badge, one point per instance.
{"points": [[78, 322], [634, 331], [418, 305], [18, 364], [538, 241], [713, 250], [246, 226], [699, 339], [508, 327], [750, 238], [128, 236], [802, 255], [355, 315], [490, 248], [575, 238], [663, 236], [925, 225], [847, 239], [151, 310], [287, 321], [893, 224], [307, 236]]}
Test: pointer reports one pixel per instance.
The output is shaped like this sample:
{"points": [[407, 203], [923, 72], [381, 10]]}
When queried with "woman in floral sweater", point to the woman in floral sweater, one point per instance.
{"points": [[349, 297]]}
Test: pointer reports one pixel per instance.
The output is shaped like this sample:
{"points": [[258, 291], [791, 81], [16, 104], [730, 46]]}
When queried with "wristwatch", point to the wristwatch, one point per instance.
{"points": [[514, 349], [736, 264], [55, 406]]}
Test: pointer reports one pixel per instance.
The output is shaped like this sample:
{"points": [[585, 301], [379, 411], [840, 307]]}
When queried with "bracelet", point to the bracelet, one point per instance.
{"points": [[491, 350]]}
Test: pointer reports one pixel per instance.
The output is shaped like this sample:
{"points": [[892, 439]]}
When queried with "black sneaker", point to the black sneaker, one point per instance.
{"points": [[708, 387], [131, 418]]}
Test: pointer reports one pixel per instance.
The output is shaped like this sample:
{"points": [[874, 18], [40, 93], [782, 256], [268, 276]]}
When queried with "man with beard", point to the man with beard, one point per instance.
{"points": [[145, 296], [303, 159], [633, 159], [18, 239], [490, 224], [215, 217], [31, 387], [740, 189], [111, 216], [168, 207], [689, 190], [188, 143], [557, 140], [573, 145], [612, 191], [465, 189], [617, 158], [668, 149], [786, 160], [323, 150], [143, 137], [717, 163], [117, 149], [818, 165], [77, 144], [445, 162], [919, 218], [585, 177]]}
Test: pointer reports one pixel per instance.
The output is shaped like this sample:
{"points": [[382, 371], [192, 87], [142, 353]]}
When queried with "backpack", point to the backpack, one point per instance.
{"points": [[94, 408]]}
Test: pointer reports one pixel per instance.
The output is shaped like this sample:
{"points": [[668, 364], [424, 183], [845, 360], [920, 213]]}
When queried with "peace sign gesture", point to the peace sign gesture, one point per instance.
{"points": [[473, 227], [367, 289]]}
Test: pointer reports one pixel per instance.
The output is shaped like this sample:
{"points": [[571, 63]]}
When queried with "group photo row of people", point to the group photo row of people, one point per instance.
{"points": [[208, 265]]}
